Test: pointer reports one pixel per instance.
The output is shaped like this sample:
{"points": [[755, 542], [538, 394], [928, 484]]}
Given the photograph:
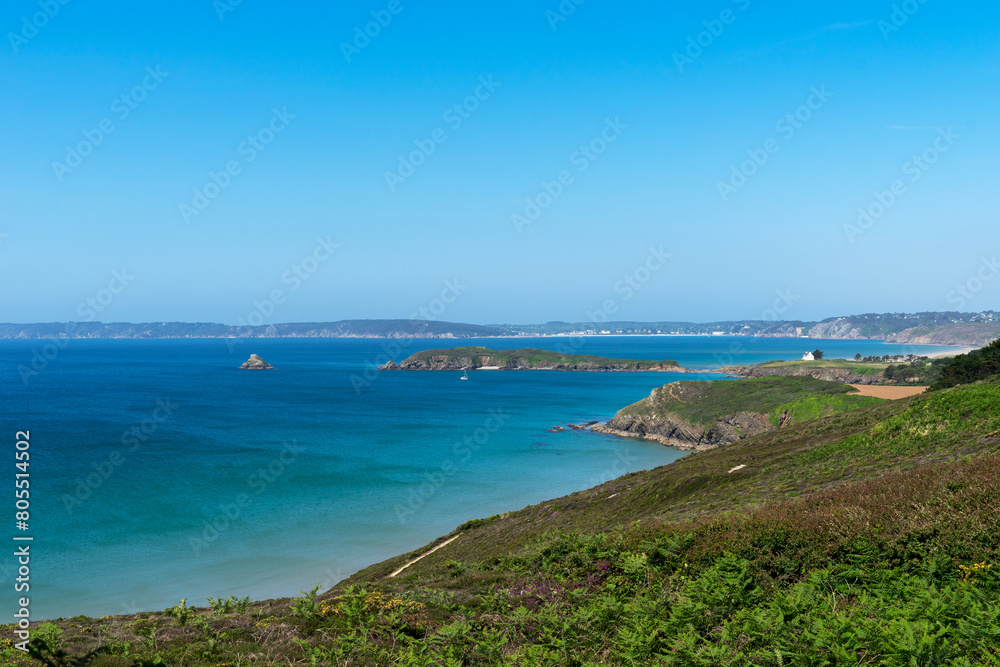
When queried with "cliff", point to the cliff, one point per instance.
{"points": [[971, 334]]}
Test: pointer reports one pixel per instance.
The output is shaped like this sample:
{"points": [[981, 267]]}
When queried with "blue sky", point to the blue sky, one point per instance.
{"points": [[644, 110]]}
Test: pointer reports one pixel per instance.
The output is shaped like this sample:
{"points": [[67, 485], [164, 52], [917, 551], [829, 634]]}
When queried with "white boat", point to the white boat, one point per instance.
{"points": [[465, 375]]}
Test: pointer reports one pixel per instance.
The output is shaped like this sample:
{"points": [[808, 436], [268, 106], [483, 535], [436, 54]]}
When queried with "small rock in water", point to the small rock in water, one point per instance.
{"points": [[255, 363]]}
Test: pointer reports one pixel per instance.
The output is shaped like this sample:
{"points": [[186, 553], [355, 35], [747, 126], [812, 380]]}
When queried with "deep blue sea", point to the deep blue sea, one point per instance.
{"points": [[160, 471]]}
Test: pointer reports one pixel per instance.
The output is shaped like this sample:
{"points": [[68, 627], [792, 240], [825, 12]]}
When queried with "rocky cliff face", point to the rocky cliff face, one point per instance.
{"points": [[972, 334], [839, 328], [650, 424]]}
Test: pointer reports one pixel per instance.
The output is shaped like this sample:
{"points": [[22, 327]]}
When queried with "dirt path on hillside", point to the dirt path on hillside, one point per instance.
{"points": [[892, 393], [443, 544]]}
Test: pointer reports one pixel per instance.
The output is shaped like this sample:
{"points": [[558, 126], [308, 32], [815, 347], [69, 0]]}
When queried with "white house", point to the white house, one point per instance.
{"points": [[808, 356]]}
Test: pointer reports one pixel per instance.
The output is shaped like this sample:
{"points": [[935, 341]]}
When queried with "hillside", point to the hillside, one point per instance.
{"points": [[900, 327], [702, 415], [472, 358], [972, 334], [864, 537]]}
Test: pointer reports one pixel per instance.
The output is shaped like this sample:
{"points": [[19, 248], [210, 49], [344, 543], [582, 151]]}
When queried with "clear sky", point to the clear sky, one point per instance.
{"points": [[200, 149]]}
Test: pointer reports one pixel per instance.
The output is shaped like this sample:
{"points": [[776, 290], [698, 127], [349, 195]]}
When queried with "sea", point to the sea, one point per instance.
{"points": [[158, 470]]}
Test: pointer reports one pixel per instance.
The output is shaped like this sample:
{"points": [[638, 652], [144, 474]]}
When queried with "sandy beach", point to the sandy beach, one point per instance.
{"points": [[951, 353]]}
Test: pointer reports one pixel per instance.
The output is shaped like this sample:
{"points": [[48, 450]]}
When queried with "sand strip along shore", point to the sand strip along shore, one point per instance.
{"points": [[443, 544], [955, 353], [892, 393]]}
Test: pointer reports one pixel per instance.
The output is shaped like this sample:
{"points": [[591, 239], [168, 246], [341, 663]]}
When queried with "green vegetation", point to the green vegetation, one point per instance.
{"points": [[917, 372], [906, 370], [854, 367], [970, 367], [704, 403], [866, 537], [531, 357], [814, 407]]}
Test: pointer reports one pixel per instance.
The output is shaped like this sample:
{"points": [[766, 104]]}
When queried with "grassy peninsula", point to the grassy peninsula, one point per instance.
{"points": [[700, 415], [472, 358], [704, 403], [862, 537]]}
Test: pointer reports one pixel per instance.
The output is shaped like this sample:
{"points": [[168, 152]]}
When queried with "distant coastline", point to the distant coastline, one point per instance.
{"points": [[946, 329]]}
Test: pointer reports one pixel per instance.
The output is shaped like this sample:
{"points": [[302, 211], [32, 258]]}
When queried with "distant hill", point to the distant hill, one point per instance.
{"points": [[930, 328], [945, 328], [340, 329], [948, 328]]}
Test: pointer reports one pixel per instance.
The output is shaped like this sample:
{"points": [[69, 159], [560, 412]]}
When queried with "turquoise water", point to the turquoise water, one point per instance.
{"points": [[160, 471]]}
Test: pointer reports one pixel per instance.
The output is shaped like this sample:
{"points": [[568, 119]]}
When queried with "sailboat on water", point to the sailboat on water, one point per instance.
{"points": [[465, 374]]}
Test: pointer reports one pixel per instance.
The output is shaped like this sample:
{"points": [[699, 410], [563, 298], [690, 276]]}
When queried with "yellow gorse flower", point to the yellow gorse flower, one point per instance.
{"points": [[373, 602], [970, 571]]}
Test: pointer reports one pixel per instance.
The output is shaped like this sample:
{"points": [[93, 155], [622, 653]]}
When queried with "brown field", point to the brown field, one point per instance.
{"points": [[892, 393]]}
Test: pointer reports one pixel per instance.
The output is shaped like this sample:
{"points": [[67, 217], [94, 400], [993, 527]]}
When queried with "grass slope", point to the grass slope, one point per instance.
{"points": [[855, 367], [704, 403], [867, 537]]}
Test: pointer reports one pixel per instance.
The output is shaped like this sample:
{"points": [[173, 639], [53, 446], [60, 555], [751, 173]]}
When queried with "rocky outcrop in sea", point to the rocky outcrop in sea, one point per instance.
{"points": [[255, 363]]}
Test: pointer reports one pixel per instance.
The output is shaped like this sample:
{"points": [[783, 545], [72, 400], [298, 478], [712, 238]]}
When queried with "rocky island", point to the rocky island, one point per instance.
{"points": [[704, 415], [255, 363], [473, 358]]}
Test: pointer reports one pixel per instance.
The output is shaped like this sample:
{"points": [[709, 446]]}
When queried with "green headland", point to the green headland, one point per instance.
{"points": [[473, 358]]}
